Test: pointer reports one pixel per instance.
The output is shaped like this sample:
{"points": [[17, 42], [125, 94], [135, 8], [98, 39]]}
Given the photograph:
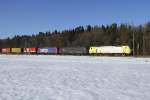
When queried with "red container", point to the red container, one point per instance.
{"points": [[6, 50], [30, 50]]}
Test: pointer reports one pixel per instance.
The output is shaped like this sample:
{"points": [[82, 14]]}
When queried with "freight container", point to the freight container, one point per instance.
{"points": [[50, 50], [73, 50], [5, 50], [30, 50], [16, 50]]}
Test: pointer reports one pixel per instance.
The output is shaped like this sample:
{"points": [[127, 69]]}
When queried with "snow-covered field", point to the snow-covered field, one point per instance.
{"points": [[74, 78]]}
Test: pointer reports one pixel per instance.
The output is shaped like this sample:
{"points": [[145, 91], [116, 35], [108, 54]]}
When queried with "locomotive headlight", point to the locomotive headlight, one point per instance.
{"points": [[126, 49]]}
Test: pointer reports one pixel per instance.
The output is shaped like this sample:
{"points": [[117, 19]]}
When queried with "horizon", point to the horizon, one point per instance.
{"points": [[28, 17]]}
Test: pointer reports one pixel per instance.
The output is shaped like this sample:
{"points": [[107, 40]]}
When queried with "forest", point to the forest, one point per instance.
{"points": [[137, 37]]}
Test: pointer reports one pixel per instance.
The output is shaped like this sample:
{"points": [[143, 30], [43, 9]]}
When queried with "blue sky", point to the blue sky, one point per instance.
{"points": [[33, 16]]}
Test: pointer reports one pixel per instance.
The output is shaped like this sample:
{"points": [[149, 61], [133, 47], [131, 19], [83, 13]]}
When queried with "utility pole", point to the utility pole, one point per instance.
{"points": [[133, 41], [143, 45]]}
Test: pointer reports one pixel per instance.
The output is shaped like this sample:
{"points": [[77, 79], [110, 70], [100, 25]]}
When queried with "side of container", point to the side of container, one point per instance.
{"points": [[16, 50], [73, 50], [30, 50], [5, 50], [49, 50]]}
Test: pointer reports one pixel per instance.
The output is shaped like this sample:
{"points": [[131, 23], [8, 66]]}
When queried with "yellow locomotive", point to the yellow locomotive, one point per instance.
{"points": [[110, 50]]}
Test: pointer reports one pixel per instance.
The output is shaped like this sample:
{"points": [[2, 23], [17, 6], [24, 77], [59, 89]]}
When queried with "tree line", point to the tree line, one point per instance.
{"points": [[137, 37]]}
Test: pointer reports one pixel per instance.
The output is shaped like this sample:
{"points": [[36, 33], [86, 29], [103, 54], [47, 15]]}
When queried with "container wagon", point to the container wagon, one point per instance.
{"points": [[16, 50], [49, 50], [30, 50], [5, 50], [73, 50]]}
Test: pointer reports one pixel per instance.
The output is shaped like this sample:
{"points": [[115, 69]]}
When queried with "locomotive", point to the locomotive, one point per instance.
{"points": [[110, 50]]}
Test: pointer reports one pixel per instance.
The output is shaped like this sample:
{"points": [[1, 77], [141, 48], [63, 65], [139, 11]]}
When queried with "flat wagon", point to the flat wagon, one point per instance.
{"points": [[49, 50], [73, 50], [16, 50], [30, 50], [5, 50]]}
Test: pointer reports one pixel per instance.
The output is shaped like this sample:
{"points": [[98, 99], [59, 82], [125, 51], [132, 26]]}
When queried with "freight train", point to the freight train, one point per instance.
{"points": [[121, 50]]}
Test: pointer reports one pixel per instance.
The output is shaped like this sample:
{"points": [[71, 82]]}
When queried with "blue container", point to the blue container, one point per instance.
{"points": [[53, 50], [50, 50]]}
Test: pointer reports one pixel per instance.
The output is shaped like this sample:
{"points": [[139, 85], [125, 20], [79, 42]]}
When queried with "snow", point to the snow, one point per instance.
{"points": [[26, 77]]}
